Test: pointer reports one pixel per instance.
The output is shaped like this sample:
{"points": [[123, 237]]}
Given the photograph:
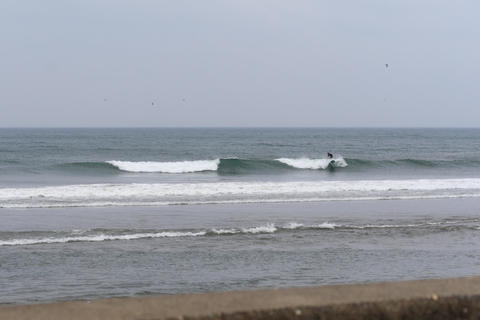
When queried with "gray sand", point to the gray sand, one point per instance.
{"points": [[423, 294]]}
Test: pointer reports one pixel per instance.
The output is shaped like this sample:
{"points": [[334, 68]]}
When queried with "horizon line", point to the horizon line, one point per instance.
{"points": [[238, 127]]}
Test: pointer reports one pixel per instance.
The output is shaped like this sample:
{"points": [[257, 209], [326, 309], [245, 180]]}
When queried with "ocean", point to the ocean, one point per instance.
{"points": [[95, 213]]}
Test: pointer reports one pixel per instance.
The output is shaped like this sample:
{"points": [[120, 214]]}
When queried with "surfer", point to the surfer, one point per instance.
{"points": [[331, 162]]}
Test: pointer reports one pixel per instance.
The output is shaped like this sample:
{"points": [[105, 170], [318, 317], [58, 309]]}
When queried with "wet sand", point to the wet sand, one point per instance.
{"points": [[427, 299]]}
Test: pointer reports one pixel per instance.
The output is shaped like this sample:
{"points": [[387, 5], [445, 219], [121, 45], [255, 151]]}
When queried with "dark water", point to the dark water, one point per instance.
{"points": [[184, 249], [120, 167], [88, 213], [49, 156]]}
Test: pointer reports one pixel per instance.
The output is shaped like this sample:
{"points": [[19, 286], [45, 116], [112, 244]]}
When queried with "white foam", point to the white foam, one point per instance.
{"points": [[394, 226], [225, 231], [386, 226], [327, 225], [75, 237], [167, 167], [269, 228], [315, 164], [234, 192], [100, 237], [293, 225]]}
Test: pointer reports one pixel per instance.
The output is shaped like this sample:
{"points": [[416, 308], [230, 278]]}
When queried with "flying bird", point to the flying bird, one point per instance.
{"points": [[386, 65]]}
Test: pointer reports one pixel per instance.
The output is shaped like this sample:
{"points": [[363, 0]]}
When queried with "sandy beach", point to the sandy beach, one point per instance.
{"points": [[427, 299]]}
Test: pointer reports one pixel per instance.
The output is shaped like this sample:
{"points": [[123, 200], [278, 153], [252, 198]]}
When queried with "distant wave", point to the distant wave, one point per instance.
{"points": [[97, 167], [412, 163], [222, 166], [238, 166], [234, 192], [32, 238], [6, 161]]}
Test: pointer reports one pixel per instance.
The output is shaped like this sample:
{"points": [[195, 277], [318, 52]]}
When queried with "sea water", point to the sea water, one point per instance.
{"points": [[89, 213]]}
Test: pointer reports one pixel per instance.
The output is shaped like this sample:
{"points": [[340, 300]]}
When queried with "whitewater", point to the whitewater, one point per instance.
{"points": [[166, 167], [234, 192], [213, 165]]}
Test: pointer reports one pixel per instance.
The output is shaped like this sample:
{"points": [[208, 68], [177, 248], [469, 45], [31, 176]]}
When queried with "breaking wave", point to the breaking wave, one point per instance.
{"points": [[222, 166], [306, 163], [167, 167], [238, 166], [96, 235], [227, 165]]}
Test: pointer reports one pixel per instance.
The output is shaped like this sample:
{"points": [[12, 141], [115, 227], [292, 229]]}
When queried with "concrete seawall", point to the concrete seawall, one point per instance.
{"points": [[457, 298]]}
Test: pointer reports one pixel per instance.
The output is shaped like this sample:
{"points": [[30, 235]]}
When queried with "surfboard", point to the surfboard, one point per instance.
{"points": [[331, 165]]}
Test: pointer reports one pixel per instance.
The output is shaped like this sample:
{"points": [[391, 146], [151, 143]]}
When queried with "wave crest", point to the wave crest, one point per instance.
{"points": [[167, 167], [315, 164], [226, 165]]}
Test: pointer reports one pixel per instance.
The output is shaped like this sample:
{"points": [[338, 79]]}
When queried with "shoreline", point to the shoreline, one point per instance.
{"points": [[440, 298]]}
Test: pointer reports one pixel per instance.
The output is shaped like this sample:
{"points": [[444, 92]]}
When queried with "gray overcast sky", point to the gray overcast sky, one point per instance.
{"points": [[239, 63]]}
